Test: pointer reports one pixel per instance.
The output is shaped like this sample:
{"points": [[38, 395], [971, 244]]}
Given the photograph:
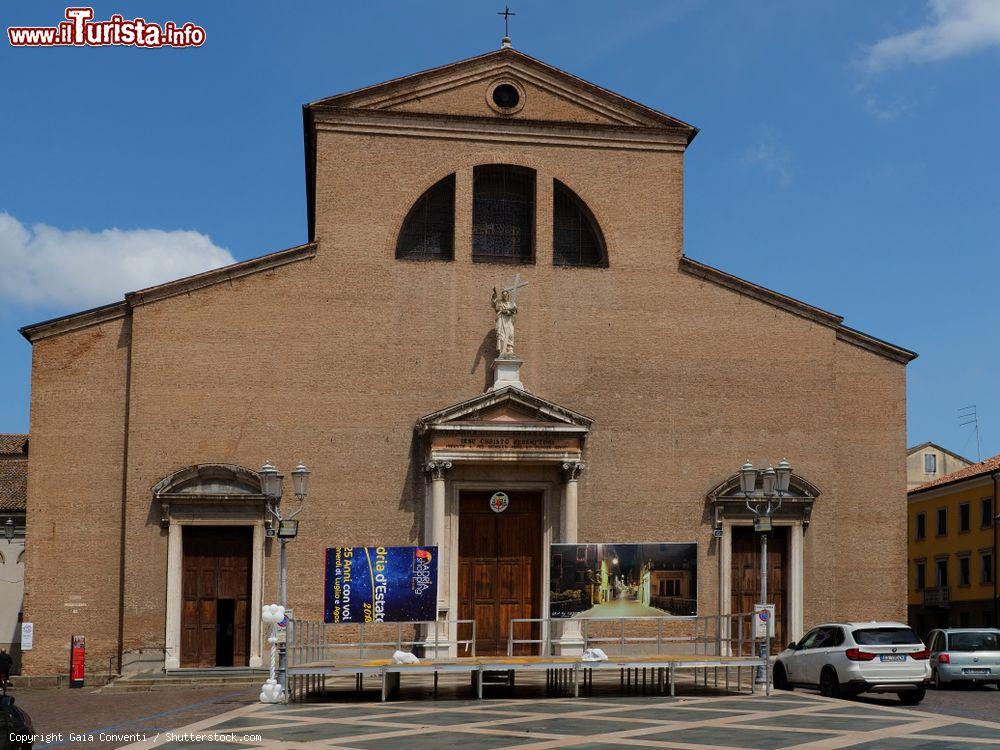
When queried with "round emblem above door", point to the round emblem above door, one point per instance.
{"points": [[499, 502]]}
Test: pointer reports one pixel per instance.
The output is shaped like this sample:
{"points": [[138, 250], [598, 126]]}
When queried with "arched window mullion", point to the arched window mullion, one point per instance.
{"points": [[503, 214]]}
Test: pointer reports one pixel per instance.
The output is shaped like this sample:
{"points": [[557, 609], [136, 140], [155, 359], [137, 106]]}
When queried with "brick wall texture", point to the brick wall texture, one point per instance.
{"points": [[330, 360]]}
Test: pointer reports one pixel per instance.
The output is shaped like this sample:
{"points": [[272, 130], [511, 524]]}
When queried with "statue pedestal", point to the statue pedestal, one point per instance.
{"points": [[507, 371]]}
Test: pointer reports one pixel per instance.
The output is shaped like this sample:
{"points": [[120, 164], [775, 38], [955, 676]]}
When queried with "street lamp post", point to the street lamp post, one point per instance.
{"points": [[9, 529], [763, 505], [286, 527]]}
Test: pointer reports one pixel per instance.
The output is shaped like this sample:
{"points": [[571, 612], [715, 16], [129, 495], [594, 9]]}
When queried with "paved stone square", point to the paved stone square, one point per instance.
{"points": [[796, 720]]}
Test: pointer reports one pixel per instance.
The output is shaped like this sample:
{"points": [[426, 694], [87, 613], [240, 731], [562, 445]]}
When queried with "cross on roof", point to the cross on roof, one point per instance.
{"points": [[506, 13]]}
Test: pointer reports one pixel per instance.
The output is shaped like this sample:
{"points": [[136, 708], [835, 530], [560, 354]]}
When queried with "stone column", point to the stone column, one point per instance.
{"points": [[435, 536], [570, 641], [435, 519], [569, 522], [175, 571]]}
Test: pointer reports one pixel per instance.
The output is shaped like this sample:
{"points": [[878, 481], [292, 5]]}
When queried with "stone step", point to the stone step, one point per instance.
{"points": [[188, 678]]}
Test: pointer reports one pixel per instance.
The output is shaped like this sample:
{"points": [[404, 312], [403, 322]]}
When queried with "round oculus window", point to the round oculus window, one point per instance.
{"points": [[506, 96]]}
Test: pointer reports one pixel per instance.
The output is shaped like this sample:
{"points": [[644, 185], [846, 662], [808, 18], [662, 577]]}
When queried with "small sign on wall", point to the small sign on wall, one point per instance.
{"points": [[77, 660], [27, 636]]}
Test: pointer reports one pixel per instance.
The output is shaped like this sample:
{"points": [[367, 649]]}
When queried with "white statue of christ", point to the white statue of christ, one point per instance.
{"points": [[506, 309]]}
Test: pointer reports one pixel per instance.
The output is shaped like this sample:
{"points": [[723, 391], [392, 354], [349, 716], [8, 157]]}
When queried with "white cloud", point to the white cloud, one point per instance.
{"points": [[885, 111], [77, 268], [956, 27], [772, 158]]}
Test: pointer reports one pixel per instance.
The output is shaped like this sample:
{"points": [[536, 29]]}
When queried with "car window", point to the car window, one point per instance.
{"points": [[984, 641], [889, 636], [808, 641], [933, 642], [835, 637]]}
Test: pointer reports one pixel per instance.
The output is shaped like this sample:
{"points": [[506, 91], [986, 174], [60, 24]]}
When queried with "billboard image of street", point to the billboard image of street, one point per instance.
{"points": [[623, 580], [380, 584]]}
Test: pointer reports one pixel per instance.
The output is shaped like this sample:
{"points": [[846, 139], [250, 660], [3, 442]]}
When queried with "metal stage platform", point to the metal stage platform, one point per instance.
{"points": [[664, 646]]}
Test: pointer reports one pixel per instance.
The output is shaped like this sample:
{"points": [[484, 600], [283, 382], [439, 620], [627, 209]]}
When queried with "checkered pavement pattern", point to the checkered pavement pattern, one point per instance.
{"points": [[785, 720]]}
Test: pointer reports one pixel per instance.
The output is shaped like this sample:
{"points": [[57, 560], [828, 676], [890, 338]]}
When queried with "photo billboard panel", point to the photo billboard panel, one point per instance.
{"points": [[624, 580]]}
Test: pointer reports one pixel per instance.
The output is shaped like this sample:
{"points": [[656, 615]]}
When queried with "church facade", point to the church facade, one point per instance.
{"points": [[616, 405]]}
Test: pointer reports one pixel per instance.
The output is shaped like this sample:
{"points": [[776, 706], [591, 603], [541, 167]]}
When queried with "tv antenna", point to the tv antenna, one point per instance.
{"points": [[967, 416]]}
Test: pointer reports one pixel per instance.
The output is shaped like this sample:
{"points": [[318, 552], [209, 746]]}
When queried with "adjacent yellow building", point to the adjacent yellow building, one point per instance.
{"points": [[952, 549]]}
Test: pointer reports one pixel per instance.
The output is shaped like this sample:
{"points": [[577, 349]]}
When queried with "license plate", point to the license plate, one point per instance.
{"points": [[976, 670], [893, 657]]}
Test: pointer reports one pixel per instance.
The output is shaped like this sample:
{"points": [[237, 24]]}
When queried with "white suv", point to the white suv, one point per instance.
{"points": [[847, 658]]}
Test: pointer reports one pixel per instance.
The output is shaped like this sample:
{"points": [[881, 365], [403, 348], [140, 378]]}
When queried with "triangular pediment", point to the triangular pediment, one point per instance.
{"points": [[462, 89], [507, 406]]}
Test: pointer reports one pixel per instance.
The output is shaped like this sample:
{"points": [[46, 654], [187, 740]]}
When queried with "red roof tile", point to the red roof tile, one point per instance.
{"points": [[983, 467], [13, 444], [13, 472]]}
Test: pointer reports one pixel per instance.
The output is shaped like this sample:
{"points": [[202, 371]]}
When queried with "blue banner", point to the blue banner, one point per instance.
{"points": [[380, 584]]}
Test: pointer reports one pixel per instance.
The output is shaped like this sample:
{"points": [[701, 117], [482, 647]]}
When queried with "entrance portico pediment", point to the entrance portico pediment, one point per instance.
{"points": [[507, 424]]}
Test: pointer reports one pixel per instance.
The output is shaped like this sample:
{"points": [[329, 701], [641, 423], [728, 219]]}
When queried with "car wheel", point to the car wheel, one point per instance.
{"points": [[937, 682], [829, 686], [781, 678], [912, 697]]}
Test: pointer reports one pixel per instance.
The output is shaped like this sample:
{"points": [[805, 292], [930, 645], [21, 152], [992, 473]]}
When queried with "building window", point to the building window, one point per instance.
{"points": [[964, 577], [921, 522], [930, 463], [921, 576], [942, 573], [986, 512], [964, 517], [670, 587], [576, 237], [986, 569], [503, 214], [942, 521], [428, 232]]}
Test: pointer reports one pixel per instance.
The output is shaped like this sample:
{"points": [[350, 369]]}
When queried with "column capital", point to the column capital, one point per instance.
{"points": [[437, 468], [572, 469]]}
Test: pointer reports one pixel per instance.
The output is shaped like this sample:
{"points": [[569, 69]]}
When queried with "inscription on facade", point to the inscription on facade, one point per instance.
{"points": [[494, 442]]}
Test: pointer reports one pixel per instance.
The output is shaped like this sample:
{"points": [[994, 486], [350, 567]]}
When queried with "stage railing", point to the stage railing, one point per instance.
{"points": [[309, 641], [708, 635], [702, 646]]}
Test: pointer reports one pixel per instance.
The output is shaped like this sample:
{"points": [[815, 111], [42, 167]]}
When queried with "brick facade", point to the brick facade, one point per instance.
{"points": [[331, 357]]}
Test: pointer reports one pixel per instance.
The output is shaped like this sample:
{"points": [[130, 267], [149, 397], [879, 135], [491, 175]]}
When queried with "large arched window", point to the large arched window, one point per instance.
{"points": [[428, 232], [503, 214], [576, 236]]}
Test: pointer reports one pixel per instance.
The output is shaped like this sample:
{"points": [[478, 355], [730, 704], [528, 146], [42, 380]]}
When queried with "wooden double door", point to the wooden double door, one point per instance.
{"points": [[499, 568], [746, 578], [215, 621]]}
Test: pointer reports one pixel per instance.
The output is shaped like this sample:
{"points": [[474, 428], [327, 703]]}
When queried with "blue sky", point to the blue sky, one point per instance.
{"points": [[848, 153]]}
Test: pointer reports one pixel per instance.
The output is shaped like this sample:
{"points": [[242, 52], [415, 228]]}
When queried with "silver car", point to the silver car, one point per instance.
{"points": [[964, 655]]}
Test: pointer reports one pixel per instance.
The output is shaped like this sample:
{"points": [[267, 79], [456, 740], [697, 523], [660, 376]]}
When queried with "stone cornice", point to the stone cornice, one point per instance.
{"points": [[797, 307], [74, 321], [97, 315], [877, 346], [506, 61], [538, 132], [219, 275]]}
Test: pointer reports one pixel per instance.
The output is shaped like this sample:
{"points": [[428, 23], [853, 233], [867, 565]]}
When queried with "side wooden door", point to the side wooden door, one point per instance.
{"points": [[215, 618], [746, 578]]}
